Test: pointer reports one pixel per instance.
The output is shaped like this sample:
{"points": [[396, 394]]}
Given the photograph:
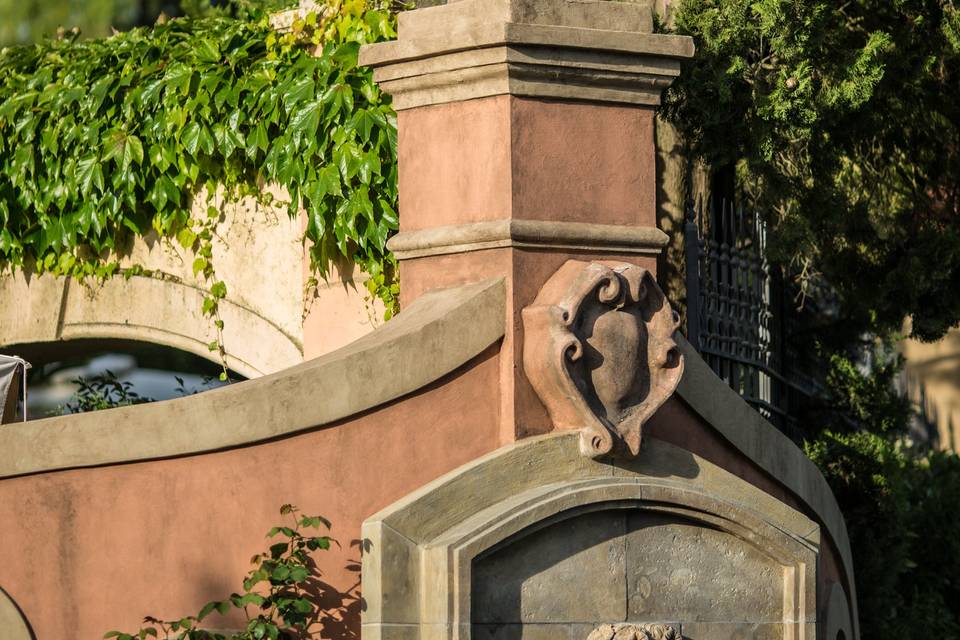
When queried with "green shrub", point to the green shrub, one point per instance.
{"points": [[104, 391], [841, 121], [281, 595], [901, 505]]}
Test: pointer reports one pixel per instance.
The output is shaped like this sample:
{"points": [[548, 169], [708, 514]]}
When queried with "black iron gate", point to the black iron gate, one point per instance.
{"points": [[737, 317]]}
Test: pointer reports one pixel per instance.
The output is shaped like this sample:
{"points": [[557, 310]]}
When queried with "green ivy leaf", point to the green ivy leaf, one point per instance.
{"points": [[207, 50], [298, 90], [191, 138], [306, 120], [89, 174], [124, 149], [186, 237], [178, 77]]}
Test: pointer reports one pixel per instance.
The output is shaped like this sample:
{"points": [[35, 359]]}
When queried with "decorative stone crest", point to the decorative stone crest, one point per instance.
{"points": [[634, 632], [599, 351]]}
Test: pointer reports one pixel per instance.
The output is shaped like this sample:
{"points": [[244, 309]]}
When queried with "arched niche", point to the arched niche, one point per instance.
{"points": [[537, 541]]}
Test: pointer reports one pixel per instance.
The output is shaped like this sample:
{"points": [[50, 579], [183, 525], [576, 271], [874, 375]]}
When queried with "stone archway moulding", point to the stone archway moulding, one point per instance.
{"points": [[166, 312], [419, 553]]}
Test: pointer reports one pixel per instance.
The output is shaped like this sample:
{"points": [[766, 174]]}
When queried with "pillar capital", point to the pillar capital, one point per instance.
{"points": [[593, 50]]}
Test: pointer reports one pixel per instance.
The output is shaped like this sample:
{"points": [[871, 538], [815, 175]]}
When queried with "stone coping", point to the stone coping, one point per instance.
{"points": [[422, 344], [724, 410], [538, 234]]}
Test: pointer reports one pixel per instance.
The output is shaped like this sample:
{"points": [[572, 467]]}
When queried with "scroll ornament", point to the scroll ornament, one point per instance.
{"points": [[599, 351]]}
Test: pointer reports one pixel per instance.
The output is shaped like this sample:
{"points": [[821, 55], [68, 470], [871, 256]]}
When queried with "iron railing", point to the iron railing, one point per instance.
{"points": [[737, 317]]}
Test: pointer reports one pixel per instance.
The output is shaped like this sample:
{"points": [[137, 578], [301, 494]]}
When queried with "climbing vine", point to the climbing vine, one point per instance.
{"points": [[105, 140]]}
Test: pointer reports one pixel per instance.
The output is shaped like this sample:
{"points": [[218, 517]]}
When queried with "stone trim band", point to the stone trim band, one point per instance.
{"points": [[537, 234]]}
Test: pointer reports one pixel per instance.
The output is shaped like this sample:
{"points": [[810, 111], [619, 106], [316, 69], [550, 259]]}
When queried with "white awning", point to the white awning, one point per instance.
{"points": [[10, 366]]}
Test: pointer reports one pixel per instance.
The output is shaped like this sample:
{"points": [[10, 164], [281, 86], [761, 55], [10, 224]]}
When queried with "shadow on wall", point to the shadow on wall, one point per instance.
{"points": [[337, 611]]}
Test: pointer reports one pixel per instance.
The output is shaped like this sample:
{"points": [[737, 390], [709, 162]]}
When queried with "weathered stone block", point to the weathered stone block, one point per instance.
{"points": [[530, 580], [678, 569]]}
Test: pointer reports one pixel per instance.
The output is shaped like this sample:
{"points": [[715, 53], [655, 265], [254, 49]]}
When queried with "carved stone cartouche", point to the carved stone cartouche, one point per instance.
{"points": [[599, 351], [628, 631]]}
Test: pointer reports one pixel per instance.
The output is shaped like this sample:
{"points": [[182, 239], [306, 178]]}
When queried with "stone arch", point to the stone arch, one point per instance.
{"points": [[632, 506], [482, 555], [12, 622], [166, 312]]}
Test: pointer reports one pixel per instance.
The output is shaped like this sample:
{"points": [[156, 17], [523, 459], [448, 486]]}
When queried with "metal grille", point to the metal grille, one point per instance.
{"points": [[734, 304]]}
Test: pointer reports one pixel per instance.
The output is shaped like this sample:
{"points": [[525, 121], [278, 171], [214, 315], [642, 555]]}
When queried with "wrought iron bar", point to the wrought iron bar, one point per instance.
{"points": [[735, 309]]}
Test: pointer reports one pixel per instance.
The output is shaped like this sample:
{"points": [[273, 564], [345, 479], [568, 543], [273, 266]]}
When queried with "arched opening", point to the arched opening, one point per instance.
{"points": [[72, 376]]}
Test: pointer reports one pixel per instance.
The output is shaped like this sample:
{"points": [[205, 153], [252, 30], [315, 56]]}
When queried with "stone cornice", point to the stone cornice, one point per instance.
{"points": [[456, 52], [538, 234]]}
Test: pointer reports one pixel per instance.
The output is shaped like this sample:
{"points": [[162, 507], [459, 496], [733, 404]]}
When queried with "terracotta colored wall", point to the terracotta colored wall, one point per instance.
{"points": [[504, 156], [583, 162], [447, 168], [90, 550]]}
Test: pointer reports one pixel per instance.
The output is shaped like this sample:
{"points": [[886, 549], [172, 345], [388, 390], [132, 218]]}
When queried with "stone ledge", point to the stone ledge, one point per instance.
{"points": [[527, 234], [508, 34]]}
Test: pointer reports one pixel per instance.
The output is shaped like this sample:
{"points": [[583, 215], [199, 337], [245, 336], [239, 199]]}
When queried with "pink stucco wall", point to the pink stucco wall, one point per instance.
{"points": [[91, 550], [504, 156]]}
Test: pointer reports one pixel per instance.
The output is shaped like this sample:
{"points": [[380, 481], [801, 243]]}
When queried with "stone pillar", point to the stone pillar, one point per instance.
{"points": [[526, 138]]}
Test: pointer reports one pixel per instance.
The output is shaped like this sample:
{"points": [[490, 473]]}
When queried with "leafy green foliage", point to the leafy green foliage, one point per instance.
{"points": [[899, 504], [900, 510], [277, 597], [841, 121], [104, 391], [107, 139], [241, 9], [859, 402]]}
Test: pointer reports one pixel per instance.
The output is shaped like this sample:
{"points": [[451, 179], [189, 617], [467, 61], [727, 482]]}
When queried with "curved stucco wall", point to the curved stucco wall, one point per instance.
{"points": [[424, 343], [270, 321], [368, 423], [87, 550]]}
